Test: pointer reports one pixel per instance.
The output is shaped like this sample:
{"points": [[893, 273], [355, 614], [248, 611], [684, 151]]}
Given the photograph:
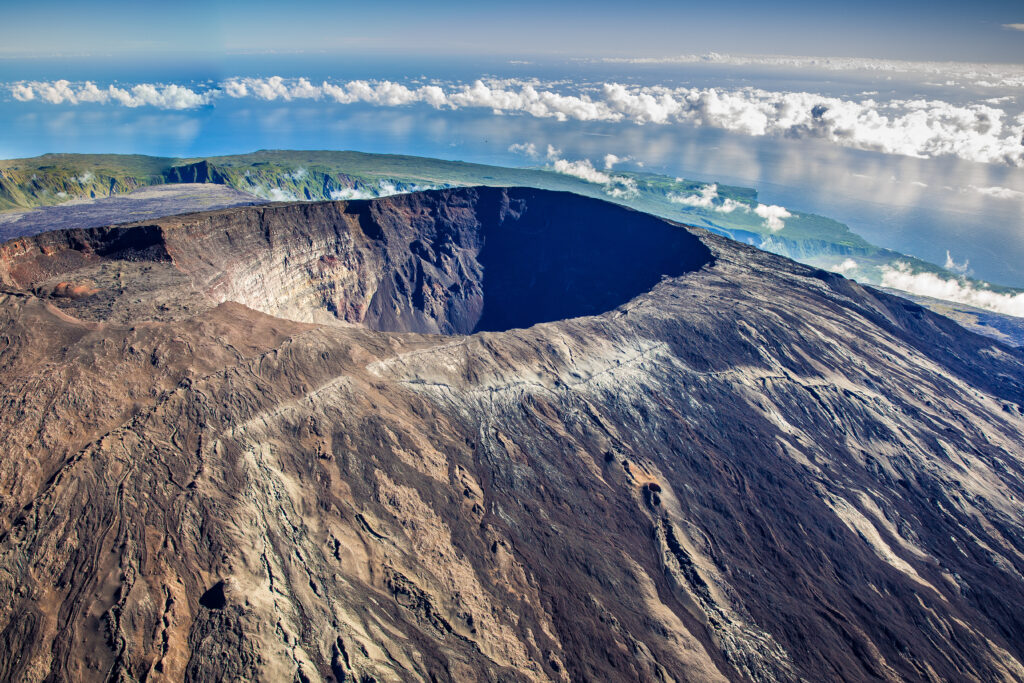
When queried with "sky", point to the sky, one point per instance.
{"points": [[917, 30]]}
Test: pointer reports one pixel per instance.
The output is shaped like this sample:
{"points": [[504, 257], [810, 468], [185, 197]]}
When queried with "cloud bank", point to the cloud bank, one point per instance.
{"points": [[980, 132], [141, 95], [901, 276], [979, 74]]}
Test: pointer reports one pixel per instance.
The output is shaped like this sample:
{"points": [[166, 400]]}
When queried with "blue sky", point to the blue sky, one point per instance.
{"points": [[941, 30]]}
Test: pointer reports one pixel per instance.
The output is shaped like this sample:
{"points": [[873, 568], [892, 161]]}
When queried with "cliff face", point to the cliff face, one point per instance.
{"points": [[236, 448], [199, 172], [440, 262]]}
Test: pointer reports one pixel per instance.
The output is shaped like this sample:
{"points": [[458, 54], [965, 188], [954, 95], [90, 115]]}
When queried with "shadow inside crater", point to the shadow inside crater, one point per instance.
{"points": [[562, 256], [493, 259]]}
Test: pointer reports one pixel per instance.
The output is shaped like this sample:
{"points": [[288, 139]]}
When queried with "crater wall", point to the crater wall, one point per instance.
{"points": [[449, 261]]}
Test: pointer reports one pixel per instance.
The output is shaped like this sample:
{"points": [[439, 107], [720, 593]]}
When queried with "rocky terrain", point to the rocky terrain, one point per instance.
{"points": [[492, 434]]}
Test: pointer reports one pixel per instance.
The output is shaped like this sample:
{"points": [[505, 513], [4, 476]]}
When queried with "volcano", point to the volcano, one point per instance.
{"points": [[492, 434]]}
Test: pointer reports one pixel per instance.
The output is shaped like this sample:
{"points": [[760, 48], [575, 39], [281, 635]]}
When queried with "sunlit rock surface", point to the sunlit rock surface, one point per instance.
{"points": [[144, 203], [486, 434]]}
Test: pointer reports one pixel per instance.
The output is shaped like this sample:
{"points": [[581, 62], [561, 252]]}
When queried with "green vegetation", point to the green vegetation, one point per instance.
{"points": [[56, 178]]}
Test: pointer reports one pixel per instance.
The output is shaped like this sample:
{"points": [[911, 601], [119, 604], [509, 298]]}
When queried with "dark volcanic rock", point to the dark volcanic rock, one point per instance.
{"points": [[242, 451]]}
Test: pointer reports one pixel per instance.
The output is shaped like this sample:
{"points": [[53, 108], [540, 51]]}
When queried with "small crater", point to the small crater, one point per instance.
{"points": [[72, 290], [214, 598]]}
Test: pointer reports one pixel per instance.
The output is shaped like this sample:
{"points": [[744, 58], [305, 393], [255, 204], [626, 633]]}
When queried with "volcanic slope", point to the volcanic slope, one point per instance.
{"points": [[492, 434]]}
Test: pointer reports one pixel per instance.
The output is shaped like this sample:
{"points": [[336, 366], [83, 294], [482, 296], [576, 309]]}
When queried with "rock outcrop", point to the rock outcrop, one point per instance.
{"points": [[492, 434], [199, 172]]}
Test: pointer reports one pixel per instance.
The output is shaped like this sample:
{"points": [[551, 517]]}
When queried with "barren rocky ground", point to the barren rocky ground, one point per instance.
{"points": [[144, 203], [492, 434]]}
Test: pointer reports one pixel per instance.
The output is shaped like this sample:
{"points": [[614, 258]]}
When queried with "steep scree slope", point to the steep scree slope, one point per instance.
{"points": [[225, 456]]}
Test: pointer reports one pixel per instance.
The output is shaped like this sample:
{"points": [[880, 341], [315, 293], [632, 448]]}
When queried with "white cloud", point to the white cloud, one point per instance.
{"points": [[84, 178], [622, 188], [271, 88], [846, 267], [388, 188], [901, 276], [998, 192], [385, 188], [618, 187], [235, 88], [383, 93], [961, 268], [274, 194], [611, 159], [23, 93], [772, 216], [165, 97], [56, 92], [525, 148], [707, 198], [980, 131], [297, 174], [729, 205], [921, 128], [1014, 27], [581, 169], [702, 200]]}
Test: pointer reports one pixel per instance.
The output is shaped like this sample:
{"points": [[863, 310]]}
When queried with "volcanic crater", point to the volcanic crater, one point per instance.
{"points": [[235, 448], [448, 261]]}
